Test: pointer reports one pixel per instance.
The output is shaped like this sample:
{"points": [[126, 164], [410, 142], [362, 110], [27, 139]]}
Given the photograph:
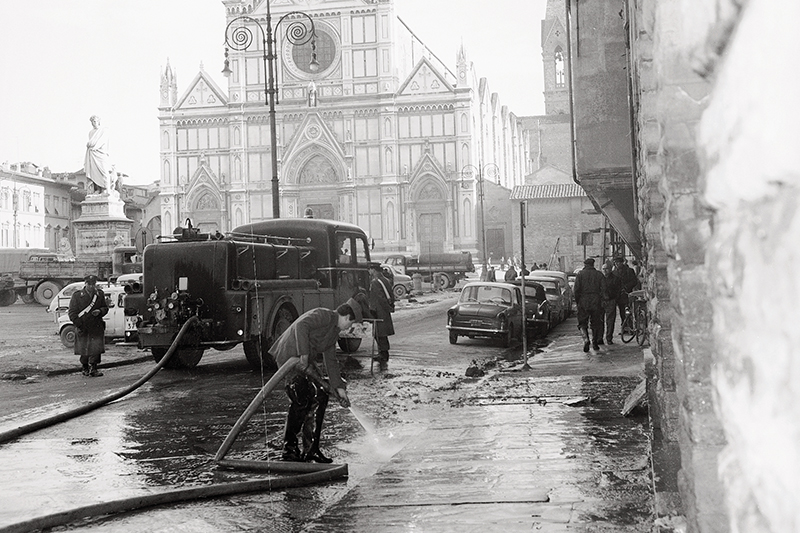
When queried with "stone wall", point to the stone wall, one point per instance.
{"points": [[669, 98], [718, 165]]}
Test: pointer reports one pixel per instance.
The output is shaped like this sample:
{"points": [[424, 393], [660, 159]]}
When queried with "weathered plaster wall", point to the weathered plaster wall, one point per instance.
{"points": [[751, 163]]}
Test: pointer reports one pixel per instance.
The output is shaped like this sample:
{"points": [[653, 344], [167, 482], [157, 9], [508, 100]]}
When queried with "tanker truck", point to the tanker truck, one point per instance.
{"points": [[246, 287]]}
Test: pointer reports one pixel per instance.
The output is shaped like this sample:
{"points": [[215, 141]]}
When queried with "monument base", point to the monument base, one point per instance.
{"points": [[101, 227]]}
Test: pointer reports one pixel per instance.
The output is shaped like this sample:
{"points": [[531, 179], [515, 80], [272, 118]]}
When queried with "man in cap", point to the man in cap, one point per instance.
{"points": [[628, 280], [381, 304], [87, 307], [590, 286], [314, 332]]}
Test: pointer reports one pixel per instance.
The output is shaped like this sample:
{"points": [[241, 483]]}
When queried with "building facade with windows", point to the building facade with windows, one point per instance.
{"points": [[35, 208], [384, 134]]}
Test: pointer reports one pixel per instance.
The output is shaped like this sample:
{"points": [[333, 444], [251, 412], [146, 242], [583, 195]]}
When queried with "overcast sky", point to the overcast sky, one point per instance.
{"points": [[65, 60]]}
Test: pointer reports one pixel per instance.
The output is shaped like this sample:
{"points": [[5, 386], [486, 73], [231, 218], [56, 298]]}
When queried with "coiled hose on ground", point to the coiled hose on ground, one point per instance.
{"points": [[310, 473]]}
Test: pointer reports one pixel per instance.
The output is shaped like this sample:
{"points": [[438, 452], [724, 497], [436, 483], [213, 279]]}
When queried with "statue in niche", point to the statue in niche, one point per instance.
{"points": [[312, 94]]}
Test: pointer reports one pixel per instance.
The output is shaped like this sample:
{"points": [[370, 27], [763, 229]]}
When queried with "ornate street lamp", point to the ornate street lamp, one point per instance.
{"points": [[239, 37], [470, 172]]}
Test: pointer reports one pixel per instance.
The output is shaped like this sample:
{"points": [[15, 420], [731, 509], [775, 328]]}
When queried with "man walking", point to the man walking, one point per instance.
{"points": [[590, 285], [87, 307], [610, 296], [314, 332], [628, 282], [381, 303]]}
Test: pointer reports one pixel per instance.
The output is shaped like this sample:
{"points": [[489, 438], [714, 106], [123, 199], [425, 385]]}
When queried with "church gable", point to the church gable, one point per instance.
{"points": [[425, 79], [202, 93], [548, 175], [313, 130]]}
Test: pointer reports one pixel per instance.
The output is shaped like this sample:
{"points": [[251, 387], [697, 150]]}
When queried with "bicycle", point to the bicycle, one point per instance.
{"points": [[634, 324]]}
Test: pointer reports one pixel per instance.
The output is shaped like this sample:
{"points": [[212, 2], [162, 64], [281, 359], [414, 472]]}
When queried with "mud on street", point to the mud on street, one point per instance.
{"points": [[543, 449]]}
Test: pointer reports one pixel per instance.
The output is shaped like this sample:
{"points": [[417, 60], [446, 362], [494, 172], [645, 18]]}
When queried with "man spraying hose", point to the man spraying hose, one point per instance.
{"points": [[314, 332]]}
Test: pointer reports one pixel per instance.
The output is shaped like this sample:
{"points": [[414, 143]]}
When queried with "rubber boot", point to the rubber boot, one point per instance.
{"points": [[93, 372], [585, 335], [85, 371]]}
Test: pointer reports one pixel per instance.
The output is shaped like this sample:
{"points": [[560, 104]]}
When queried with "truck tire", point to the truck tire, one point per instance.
{"points": [[445, 281], [183, 358], [7, 297], [68, 336], [349, 345], [257, 353], [29, 298], [46, 291]]}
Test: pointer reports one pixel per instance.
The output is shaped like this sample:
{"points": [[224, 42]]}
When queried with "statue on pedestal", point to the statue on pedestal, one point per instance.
{"points": [[97, 164]]}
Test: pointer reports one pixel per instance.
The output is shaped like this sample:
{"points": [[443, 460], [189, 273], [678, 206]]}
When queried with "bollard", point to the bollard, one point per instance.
{"points": [[416, 280]]}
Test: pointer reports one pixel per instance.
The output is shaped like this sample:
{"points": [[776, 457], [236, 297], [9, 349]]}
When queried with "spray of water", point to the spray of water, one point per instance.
{"points": [[384, 446]]}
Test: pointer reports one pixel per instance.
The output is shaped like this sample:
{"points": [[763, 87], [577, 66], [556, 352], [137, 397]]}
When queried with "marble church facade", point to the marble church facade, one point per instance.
{"points": [[383, 135]]}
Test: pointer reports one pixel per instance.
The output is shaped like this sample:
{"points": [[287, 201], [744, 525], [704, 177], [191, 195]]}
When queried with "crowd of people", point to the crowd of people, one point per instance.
{"points": [[599, 295]]}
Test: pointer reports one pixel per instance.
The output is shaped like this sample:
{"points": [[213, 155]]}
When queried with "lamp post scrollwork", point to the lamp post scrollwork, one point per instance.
{"points": [[480, 172], [240, 37]]}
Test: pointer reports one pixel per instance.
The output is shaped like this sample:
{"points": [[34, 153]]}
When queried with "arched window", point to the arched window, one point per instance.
{"points": [[558, 56], [467, 213]]}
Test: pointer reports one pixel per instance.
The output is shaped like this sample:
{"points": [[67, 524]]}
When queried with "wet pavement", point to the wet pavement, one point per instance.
{"points": [[539, 449]]}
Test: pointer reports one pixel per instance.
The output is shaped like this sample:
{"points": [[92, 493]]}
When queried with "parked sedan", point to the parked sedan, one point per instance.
{"points": [[118, 324], [557, 295], [401, 283], [537, 308], [487, 309]]}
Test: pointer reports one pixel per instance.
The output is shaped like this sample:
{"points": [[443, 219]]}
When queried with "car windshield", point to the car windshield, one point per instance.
{"points": [[486, 294]]}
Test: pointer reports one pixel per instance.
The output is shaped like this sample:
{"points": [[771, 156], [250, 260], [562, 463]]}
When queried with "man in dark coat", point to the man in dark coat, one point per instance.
{"points": [[613, 288], [314, 332], [87, 307], [511, 273], [381, 303], [590, 285], [629, 282]]}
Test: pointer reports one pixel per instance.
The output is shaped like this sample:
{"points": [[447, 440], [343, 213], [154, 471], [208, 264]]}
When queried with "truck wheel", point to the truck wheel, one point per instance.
{"points": [[444, 281], [257, 354], [349, 345], [399, 291], [46, 291], [7, 297], [183, 358], [28, 298], [68, 336]]}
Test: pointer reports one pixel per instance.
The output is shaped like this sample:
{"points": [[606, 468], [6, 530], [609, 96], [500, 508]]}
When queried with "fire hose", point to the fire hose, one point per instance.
{"points": [[310, 473]]}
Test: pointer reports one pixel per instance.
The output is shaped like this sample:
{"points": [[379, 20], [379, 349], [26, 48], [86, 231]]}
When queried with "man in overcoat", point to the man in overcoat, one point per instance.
{"points": [[87, 307], [314, 332], [381, 303], [590, 285]]}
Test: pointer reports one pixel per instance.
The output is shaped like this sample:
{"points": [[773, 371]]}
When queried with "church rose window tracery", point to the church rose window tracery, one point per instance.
{"points": [[326, 53]]}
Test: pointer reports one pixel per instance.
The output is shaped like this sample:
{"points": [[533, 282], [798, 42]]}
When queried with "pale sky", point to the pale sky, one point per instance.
{"points": [[65, 60]]}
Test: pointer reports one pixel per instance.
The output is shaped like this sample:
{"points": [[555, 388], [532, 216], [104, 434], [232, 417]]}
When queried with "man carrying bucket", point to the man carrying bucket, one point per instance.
{"points": [[314, 332]]}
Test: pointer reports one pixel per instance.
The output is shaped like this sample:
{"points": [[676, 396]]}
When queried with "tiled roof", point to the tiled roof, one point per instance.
{"points": [[561, 190]]}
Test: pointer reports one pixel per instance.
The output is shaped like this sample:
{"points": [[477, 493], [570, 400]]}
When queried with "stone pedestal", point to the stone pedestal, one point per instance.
{"points": [[101, 227]]}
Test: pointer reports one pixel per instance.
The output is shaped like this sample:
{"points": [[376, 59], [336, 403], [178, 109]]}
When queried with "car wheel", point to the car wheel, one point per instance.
{"points": [[68, 336], [509, 336], [399, 291], [453, 337]]}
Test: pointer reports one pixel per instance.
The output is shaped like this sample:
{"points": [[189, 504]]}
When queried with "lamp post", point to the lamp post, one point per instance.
{"points": [[240, 37], [469, 172]]}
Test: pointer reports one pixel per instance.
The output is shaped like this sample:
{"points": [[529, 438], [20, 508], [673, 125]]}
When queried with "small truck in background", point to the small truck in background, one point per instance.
{"points": [[451, 267]]}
